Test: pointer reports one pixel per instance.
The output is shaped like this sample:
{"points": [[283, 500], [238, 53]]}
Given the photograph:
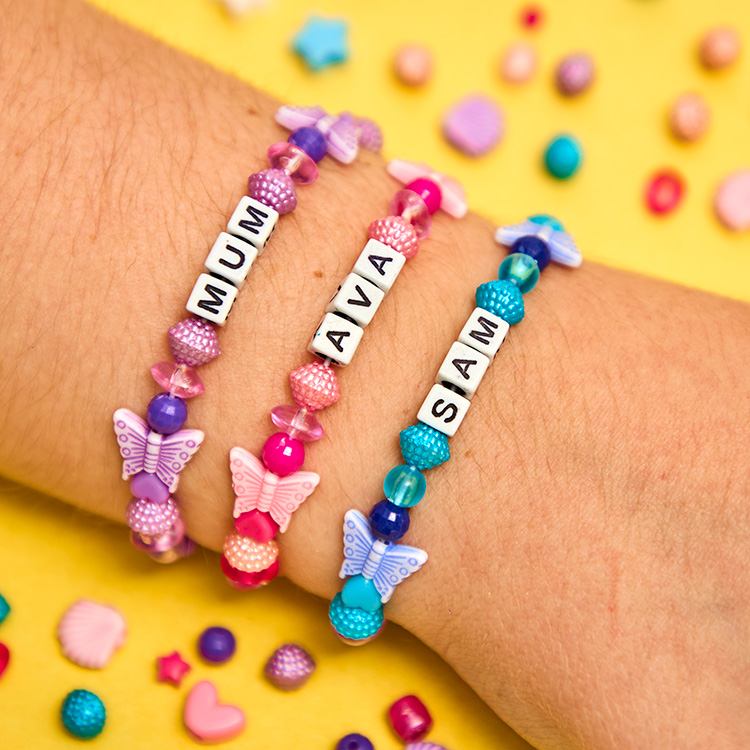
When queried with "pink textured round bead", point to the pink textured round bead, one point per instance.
{"points": [[151, 518], [397, 233], [300, 167], [247, 555], [370, 134], [193, 341], [273, 188], [720, 48], [424, 746], [314, 386], [575, 74], [689, 117], [410, 206], [289, 667]]}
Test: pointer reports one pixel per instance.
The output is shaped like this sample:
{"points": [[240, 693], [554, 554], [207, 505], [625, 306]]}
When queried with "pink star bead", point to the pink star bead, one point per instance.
{"points": [[171, 668], [453, 196]]}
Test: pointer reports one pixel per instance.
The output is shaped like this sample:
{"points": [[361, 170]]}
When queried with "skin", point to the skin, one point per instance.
{"points": [[589, 540]]}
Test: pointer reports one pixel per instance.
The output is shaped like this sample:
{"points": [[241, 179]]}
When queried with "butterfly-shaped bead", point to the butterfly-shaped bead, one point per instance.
{"points": [[143, 449], [386, 564], [563, 248], [257, 488]]}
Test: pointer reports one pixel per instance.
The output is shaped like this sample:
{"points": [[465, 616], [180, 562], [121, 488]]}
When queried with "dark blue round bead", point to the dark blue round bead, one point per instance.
{"points": [[217, 645], [311, 141], [388, 521], [166, 413], [354, 742], [536, 247]]}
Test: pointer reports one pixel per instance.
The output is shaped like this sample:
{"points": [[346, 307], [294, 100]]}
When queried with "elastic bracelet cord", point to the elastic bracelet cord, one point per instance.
{"points": [[271, 488], [373, 563], [156, 450]]}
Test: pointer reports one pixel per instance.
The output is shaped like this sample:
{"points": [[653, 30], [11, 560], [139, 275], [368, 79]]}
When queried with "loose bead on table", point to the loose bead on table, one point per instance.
{"points": [[410, 718]]}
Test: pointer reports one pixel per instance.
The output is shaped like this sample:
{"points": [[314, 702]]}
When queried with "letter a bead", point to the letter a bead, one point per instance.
{"points": [[463, 367], [336, 338]]}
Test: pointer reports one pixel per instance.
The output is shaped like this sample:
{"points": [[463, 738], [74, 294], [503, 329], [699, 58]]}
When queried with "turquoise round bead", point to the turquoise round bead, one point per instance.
{"points": [[545, 220], [502, 298], [423, 446], [4, 608], [360, 592], [521, 269], [353, 623], [83, 714], [405, 486], [563, 156]]}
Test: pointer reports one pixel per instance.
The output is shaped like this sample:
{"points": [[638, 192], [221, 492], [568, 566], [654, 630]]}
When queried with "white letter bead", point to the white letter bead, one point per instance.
{"points": [[253, 221], [464, 367], [380, 264], [231, 258], [212, 299], [356, 298], [337, 338], [484, 332], [443, 409]]}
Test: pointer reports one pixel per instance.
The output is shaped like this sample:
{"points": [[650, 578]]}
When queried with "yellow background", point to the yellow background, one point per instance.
{"points": [[51, 555]]}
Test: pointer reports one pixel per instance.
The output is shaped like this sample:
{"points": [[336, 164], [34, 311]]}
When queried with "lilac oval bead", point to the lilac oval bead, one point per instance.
{"points": [[408, 204], [150, 518], [166, 413], [297, 423], [193, 341], [147, 486], [311, 141], [354, 741], [294, 161], [273, 188]]}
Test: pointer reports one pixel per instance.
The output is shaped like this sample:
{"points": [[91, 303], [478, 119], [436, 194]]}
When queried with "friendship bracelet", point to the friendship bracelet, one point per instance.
{"points": [[373, 563], [268, 490], [156, 450]]}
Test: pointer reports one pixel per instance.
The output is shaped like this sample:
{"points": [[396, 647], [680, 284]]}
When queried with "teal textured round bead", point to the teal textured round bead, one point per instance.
{"points": [[521, 269], [4, 608], [360, 592], [563, 157], [353, 623], [545, 220], [405, 486], [83, 714], [502, 298], [423, 446]]}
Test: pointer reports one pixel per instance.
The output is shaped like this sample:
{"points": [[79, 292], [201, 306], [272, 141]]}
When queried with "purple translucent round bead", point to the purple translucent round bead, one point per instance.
{"points": [[166, 413], [354, 741], [311, 141], [289, 667], [150, 518], [273, 188], [193, 342]]}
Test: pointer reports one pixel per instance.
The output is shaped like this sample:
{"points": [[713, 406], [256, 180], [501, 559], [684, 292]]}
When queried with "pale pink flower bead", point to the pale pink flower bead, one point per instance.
{"points": [[314, 386], [151, 518], [397, 233], [194, 342], [247, 555]]}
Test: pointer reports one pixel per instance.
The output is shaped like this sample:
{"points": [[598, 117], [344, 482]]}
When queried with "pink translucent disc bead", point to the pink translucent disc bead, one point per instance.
{"points": [[428, 191], [408, 204], [314, 386], [160, 542], [180, 380], [397, 233], [282, 454], [410, 718], [182, 549], [294, 161], [297, 423]]}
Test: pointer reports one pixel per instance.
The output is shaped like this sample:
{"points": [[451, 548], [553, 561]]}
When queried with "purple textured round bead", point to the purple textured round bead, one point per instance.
{"points": [[273, 188], [289, 667], [193, 342], [151, 518]]}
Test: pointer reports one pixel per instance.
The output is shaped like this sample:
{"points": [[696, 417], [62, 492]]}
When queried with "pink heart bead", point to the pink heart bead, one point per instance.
{"points": [[207, 719]]}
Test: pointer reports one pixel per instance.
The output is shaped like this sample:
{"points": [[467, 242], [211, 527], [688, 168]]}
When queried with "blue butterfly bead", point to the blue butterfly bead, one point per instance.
{"points": [[353, 623], [423, 446], [502, 298]]}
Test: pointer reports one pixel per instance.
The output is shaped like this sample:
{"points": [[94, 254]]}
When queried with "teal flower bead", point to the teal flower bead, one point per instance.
{"points": [[502, 298], [353, 623], [405, 486], [521, 269], [4, 608], [423, 446], [545, 220], [83, 714], [360, 592]]}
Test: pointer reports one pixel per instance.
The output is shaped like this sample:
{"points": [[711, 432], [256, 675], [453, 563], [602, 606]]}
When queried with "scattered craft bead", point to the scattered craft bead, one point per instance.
{"points": [[83, 714], [4, 658], [563, 156], [689, 118], [289, 667], [519, 63], [412, 65], [171, 668], [732, 201], [207, 719], [574, 74], [4, 609], [720, 48], [90, 633], [410, 718], [664, 192], [474, 125], [240, 7], [531, 17], [354, 741], [217, 645], [424, 746], [321, 42]]}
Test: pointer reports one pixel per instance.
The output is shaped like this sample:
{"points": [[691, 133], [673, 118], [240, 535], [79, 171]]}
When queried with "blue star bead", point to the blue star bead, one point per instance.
{"points": [[321, 42]]}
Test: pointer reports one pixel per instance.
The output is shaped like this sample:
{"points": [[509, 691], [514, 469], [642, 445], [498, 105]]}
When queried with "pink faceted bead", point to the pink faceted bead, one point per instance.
{"points": [[289, 667], [410, 718], [147, 486], [282, 454], [370, 134], [193, 341], [149, 518], [297, 423], [397, 233], [428, 191], [273, 188], [294, 161], [160, 542], [247, 555], [408, 204], [180, 380], [314, 386], [257, 525]]}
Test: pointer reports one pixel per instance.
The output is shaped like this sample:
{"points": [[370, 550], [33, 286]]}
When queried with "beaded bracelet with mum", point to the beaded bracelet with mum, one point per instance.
{"points": [[373, 562]]}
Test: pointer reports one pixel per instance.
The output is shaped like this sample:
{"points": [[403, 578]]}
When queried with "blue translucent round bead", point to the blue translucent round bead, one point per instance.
{"points": [[521, 269], [405, 486], [545, 220], [563, 157], [360, 592], [353, 623], [83, 714], [311, 141], [502, 298], [389, 522], [354, 742], [166, 413], [423, 446], [4, 608], [534, 247]]}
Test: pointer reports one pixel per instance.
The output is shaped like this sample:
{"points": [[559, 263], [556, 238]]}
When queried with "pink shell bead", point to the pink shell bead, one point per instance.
{"points": [[294, 162], [193, 342], [397, 233], [90, 633], [410, 718], [282, 454], [289, 667], [180, 380], [314, 386], [410, 206], [424, 746], [273, 188], [151, 518], [247, 555]]}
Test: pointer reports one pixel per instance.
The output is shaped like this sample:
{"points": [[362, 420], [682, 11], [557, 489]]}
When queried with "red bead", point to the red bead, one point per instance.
{"points": [[664, 192], [246, 581], [428, 191], [410, 718], [4, 658], [531, 16], [257, 525]]}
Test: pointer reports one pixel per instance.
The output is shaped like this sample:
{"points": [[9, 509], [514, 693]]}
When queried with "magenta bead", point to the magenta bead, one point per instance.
{"points": [[273, 188], [193, 341], [147, 486], [289, 667], [180, 380], [428, 191], [282, 454], [410, 718], [297, 423], [408, 204], [256, 524], [294, 161], [160, 542]]}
